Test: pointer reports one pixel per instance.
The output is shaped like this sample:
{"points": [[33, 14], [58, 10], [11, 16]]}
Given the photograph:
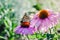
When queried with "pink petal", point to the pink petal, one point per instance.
{"points": [[53, 19], [33, 22], [27, 31]]}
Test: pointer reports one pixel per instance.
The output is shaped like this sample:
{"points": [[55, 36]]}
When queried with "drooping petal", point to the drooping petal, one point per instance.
{"points": [[28, 31], [34, 21], [48, 23], [20, 30], [53, 19], [43, 27], [38, 23]]}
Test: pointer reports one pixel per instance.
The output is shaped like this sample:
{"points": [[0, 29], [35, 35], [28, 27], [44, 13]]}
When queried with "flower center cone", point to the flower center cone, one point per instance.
{"points": [[43, 14]]}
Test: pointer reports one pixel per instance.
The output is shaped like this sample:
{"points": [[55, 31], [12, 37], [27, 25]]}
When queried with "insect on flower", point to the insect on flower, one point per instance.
{"points": [[24, 28]]}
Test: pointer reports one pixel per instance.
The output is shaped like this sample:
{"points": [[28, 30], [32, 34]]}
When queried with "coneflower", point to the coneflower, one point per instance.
{"points": [[44, 20]]}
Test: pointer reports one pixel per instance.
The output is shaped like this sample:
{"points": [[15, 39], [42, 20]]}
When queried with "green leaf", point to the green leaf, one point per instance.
{"points": [[44, 35], [55, 37], [14, 25], [8, 23], [39, 35], [50, 36], [38, 6], [12, 38], [7, 32], [32, 36], [2, 37], [7, 26]]}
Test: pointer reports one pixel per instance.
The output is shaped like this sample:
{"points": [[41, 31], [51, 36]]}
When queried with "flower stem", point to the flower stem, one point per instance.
{"points": [[28, 37]]}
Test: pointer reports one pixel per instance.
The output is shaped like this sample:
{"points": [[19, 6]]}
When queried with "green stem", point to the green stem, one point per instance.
{"points": [[28, 37], [50, 31]]}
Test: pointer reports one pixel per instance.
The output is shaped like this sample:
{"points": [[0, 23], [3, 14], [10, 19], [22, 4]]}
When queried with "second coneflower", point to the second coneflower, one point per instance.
{"points": [[44, 20], [24, 28]]}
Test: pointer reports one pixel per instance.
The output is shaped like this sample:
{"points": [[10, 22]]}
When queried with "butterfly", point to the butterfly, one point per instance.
{"points": [[25, 22]]}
